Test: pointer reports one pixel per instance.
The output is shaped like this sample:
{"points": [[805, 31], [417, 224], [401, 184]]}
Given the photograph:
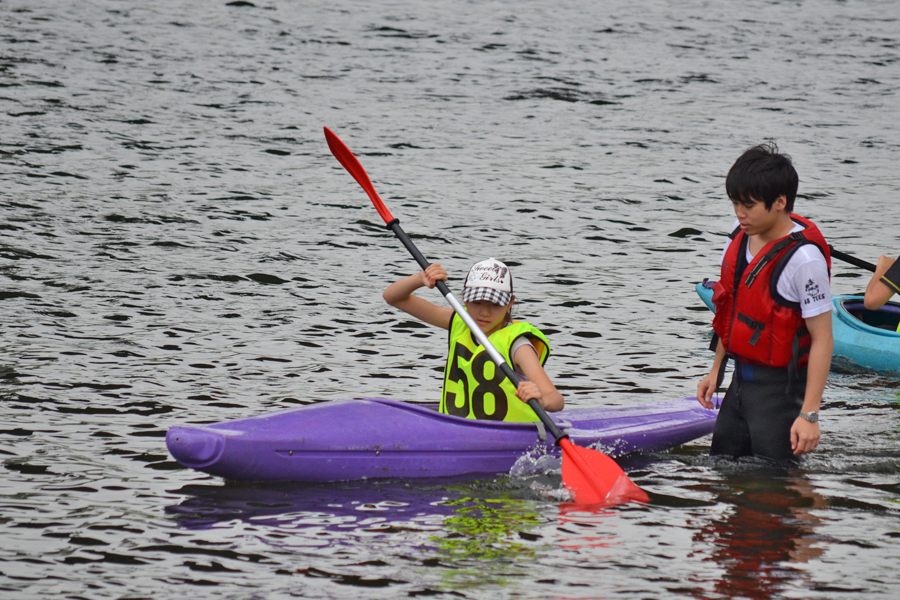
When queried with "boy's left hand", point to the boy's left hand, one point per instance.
{"points": [[804, 436], [528, 390]]}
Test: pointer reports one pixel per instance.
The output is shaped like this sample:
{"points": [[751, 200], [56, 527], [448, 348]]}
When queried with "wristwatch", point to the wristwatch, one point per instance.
{"points": [[812, 417]]}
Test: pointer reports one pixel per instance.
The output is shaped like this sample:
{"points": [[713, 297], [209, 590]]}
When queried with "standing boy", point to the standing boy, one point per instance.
{"points": [[773, 316]]}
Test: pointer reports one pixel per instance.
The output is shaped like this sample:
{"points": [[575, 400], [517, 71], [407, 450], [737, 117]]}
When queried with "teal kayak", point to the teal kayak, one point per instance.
{"points": [[863, 338]]}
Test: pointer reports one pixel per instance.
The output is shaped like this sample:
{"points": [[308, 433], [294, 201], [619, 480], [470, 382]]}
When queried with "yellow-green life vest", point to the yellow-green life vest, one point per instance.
{"points": [[474, 387]]}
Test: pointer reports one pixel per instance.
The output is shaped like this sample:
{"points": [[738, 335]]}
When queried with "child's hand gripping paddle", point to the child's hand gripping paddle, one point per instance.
{"points": [[593, 477]]}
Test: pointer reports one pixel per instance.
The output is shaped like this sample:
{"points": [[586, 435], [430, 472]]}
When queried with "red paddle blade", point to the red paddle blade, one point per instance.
{"points": [[355, 168], [595, 478]]}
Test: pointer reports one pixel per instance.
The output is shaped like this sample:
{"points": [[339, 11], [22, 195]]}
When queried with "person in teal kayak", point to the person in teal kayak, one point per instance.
{"points": [[473, 387], [884, 283], [773, 316]]}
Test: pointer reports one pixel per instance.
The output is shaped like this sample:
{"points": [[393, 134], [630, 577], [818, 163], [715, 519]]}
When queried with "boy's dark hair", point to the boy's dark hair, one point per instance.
{"points": [[761, 174]]}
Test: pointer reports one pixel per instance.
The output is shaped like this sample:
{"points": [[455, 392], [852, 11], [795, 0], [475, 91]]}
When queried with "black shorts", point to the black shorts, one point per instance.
{"points": [[757, 414]]}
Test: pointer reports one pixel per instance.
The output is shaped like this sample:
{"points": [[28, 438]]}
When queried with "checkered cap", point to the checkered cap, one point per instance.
{"points": [[488, 280], [474, 294]]}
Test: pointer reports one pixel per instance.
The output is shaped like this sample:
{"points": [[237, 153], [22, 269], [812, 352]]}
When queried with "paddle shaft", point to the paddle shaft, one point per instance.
{"points": [[852, 259], [477, 333]]}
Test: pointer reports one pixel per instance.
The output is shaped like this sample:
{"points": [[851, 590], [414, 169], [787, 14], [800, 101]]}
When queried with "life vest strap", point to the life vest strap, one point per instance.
{"points": [[796, 353], [756, 326], [797, 236]]}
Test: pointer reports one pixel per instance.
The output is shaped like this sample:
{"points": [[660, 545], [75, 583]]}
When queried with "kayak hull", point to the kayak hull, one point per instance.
{"points": [[861, 342], [378, 438], [863, 338]]}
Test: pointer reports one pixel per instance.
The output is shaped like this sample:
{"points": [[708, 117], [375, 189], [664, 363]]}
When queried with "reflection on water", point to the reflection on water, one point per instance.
{"points": [[483, 537], [767, 532], [756, 525], [294, 506], [468, 540]]}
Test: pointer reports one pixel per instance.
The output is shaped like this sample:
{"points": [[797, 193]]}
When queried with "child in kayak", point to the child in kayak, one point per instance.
{"points": [[473, 387], [773, 316], [884, 283]]}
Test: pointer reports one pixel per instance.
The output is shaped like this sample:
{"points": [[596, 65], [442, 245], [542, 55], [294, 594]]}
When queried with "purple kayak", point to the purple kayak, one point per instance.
{"points": [[377, 438]]}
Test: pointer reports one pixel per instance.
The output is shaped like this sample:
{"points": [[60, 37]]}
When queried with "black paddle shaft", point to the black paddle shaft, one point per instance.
{"points": [[852, 260], [394, 225]]}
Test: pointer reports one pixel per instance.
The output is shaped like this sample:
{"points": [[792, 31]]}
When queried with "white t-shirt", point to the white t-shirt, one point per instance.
{"points": [[518, 343], [804, 279]]}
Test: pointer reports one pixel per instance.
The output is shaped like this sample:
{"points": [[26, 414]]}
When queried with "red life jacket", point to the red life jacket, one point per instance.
{"points": [[755, 323]]}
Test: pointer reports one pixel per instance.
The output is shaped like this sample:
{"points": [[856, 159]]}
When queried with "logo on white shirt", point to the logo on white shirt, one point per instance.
{"points": [[813, 294]]}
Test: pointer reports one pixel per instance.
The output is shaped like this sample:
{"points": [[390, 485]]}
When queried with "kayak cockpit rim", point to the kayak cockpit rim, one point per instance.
{"points": [[884, 320]]}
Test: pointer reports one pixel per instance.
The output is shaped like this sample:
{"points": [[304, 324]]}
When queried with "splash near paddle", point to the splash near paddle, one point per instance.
{"points": [[591, 476]]}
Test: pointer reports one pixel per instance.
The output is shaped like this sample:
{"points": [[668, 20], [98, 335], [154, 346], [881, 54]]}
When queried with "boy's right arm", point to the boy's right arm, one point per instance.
{"points": [[399, 294], [708, 384]]}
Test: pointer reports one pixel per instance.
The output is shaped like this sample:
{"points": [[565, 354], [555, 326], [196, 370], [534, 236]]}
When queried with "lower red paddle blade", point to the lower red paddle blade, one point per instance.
{"points": [[595, 478]]}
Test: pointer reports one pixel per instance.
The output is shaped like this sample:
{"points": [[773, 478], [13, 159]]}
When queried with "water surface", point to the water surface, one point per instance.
{"points": [[177, 245]]}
